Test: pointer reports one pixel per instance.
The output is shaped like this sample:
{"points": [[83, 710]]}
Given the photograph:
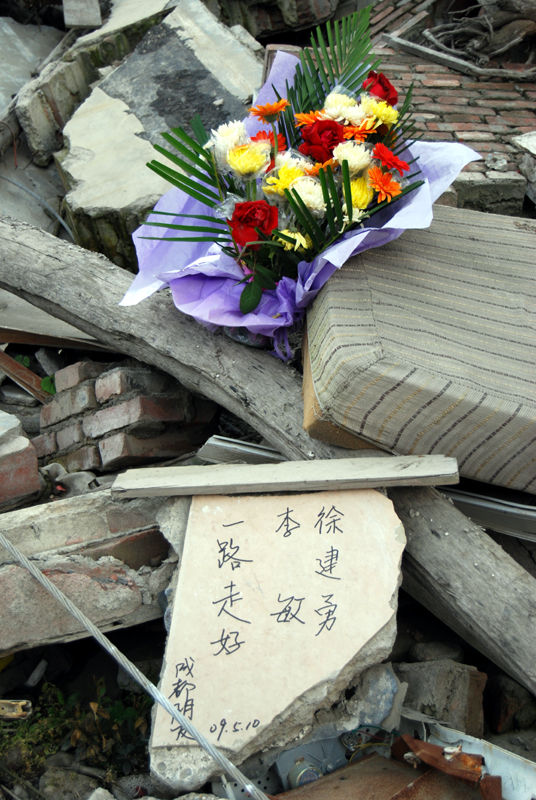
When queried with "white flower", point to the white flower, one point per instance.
{"points": [[346, 115], [288, 159], [357, 156], [310, 191], [342, 100], [225, 138]]}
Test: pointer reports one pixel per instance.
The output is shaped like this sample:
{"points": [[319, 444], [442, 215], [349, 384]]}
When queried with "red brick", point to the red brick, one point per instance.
{"points": [[475, 136], [505, 94], [484, 85], [532, 95], [443, 108], [475, 166], [81, 460], [45, 444], [124, 450], [67, 403], [498, 128], [514, 121], [380, 7], [386, 21], [435, 136], [451, 126], [377, 17], [490, 147], [143, 381], [139, 412], [146, 548], [461, 118], [76, 373], [132, 515], [437, 82], [19, 478], [69, 436], [428, 68], [508, 105]]}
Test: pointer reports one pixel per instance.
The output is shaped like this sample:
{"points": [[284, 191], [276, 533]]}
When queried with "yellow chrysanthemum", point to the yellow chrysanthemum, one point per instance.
{"points": [[300, 242], [285, 176], [385, 113], [362, 192], [249, 159]]}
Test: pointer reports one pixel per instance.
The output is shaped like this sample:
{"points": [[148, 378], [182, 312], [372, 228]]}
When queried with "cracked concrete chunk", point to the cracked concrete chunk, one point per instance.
{"points": [[290, 599], [182, 67]]}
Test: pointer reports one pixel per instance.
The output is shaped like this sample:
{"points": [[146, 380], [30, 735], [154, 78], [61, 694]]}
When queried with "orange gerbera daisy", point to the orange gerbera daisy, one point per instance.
{"points": [[307, 119], [383, 183], [269, 113], [388, 159], [360, 132], [315, 169]]}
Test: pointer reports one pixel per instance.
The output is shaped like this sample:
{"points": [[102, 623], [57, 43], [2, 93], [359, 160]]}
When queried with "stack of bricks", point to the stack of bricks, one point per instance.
{"points": [[104, 418], [450, 106]]}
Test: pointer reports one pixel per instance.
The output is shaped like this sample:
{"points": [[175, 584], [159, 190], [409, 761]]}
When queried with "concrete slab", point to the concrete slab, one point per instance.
{"points": [[526, 141], [22, 47], [188, 64], [125, 14], [273, 617]]}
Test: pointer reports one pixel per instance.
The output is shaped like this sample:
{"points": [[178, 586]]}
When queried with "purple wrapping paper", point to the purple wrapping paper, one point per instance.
{"points": [[204, 281]]}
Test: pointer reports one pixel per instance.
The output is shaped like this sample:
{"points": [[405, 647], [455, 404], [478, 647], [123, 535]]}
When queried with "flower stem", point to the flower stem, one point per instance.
{"points": [[275, 141]]}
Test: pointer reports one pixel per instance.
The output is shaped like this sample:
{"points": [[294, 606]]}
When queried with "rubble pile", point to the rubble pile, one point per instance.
{"points": [[108, 419], [314, 623]]}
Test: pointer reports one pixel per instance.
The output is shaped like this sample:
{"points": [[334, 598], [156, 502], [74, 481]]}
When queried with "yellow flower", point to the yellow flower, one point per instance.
{"points": [[336, 99], [385, 113], [362, 192], [249, 159], [285, 176], [300, 242]]}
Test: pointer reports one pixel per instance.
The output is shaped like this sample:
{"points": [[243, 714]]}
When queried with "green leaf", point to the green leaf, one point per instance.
{"points": [[334, 197], [204, 177], [178, 180], [327, 199], [48, 385], [347, 189], [24, 360], [305, 218], [264, 281], [199, 130], [250, 297]]}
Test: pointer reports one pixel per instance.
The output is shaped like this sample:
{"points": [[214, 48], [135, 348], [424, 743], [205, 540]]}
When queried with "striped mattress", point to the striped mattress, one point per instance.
{"points": [[427, 345]]}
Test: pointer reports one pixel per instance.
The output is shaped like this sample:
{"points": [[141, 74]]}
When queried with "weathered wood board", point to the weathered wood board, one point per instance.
{"points": [[288, 476], [83, 288]]}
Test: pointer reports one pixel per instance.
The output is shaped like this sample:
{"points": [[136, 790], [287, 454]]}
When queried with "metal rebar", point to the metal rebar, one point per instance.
{"points": [[134, 672]]}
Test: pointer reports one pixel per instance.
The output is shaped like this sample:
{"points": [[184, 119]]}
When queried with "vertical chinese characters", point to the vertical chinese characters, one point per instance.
{"points": [[183, 693]]}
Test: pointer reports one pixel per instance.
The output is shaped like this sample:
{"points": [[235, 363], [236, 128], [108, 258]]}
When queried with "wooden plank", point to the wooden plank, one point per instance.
{"points": [[23, 377], [82, 14], [462, 576], [67, 281], [11, 336], [288, 476], [19, 316]]}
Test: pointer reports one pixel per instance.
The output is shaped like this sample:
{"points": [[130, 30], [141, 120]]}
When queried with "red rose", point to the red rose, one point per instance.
{"points": [[321, 138], [378, 85], [248, 216]]}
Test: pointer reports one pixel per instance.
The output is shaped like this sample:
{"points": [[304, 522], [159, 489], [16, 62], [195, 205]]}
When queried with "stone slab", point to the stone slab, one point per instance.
{"points": [[75, 522], [282, 617], [124, 14], [527, 141], [19, 478], [10, 428], [22, 48], [188, 64]]}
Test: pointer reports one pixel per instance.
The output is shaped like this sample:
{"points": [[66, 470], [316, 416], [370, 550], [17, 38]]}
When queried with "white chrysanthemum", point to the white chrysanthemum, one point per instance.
{"points": [[310, 191], [345, 115], [225, 138], [342, 100], [288, 159], [357, 156]]}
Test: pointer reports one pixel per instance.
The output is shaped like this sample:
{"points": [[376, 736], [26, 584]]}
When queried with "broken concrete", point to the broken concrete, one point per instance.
{"points": [[190, 64], [22, 48], [283, 578], [45, 104], [19, 478], [446, 690], [110, 559]]}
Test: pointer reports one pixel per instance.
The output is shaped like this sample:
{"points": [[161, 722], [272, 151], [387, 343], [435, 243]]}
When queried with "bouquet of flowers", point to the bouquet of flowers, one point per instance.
{"points": [[267, 208]]}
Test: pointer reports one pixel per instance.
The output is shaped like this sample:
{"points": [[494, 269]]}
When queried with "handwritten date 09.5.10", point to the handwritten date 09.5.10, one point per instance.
{"points": [[232, 727]]}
